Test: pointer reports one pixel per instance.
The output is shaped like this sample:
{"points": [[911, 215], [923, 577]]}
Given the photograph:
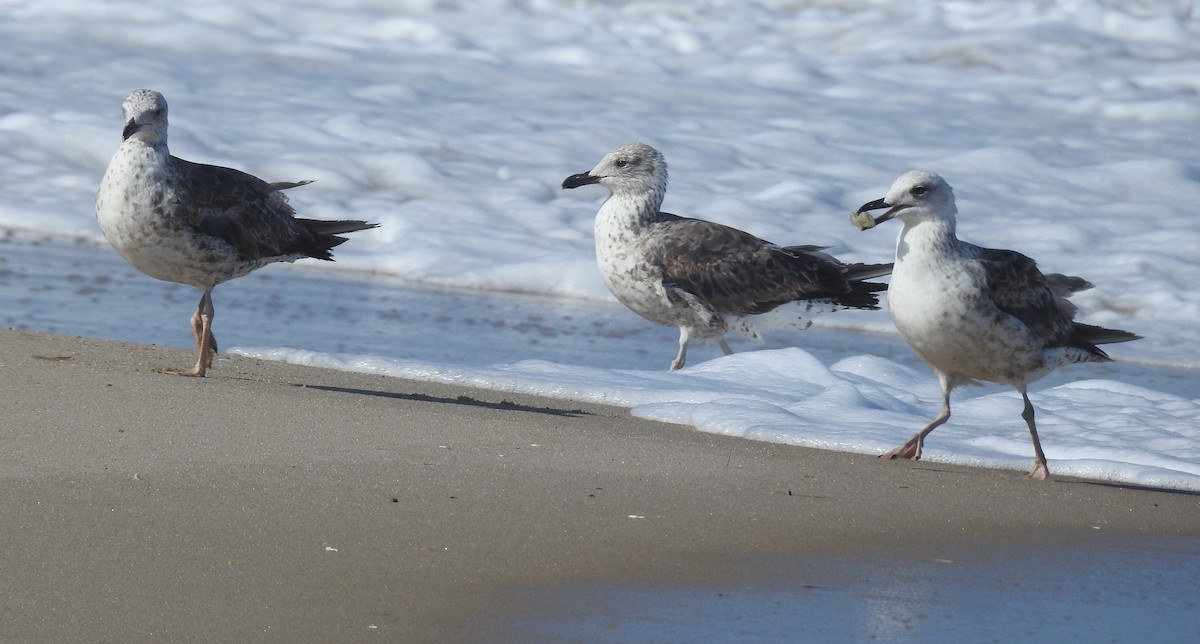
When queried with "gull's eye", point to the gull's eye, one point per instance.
{"points": [[621, 163], [918, 191]]}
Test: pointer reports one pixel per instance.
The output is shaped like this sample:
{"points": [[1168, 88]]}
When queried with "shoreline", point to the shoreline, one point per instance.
{"points": [[303, 503]]}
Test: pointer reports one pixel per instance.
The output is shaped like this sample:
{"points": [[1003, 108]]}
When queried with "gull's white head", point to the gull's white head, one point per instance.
{"points": [[913, 197], [145, 113], [633, 168]]}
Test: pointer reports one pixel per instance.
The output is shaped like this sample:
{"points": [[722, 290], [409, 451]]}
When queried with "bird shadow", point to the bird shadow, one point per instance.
{"points": [[1141, 488], [503, 405], [1083, 481]]}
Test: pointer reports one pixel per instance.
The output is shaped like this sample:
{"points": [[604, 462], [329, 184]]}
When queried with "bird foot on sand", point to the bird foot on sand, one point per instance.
{"points": [[194, 372], [1038, 473], [910, 450]]}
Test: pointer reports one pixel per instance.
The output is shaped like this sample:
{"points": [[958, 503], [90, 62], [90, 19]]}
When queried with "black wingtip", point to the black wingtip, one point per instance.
{"points": [[1101, 335], [855, 272], [286, 185], [326, 234], [335, 226]]}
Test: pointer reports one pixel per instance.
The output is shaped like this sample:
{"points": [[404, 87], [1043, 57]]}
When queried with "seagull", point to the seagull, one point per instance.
{"points": [[975, 313], [702, 277], [198, 224]]}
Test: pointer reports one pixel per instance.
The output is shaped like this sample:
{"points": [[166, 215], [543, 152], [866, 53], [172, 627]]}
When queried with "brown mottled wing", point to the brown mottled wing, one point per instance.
{"points": [[1018, 287], [1039, 301], [241, 210], [735, 272]]}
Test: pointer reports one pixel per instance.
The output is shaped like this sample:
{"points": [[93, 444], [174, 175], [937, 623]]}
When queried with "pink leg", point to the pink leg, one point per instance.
{"points": [[912, 448], [206, 344], [680, 359]]}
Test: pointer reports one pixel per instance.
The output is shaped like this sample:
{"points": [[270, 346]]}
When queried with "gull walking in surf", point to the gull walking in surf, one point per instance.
{"points": [[975, 313], [702, 277]]}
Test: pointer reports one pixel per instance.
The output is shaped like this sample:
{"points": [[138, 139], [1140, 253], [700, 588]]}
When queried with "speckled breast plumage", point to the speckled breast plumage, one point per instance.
{"points": [[138, 214]]}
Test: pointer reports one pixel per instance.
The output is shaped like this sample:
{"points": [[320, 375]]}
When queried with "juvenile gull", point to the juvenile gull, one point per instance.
{"points": [[198, 224], [703, 277], [975, 313]]}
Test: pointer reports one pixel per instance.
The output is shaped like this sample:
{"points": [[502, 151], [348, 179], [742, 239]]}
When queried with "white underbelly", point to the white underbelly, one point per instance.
{"points": [[946, 321], [165, 250], [635, 286]]}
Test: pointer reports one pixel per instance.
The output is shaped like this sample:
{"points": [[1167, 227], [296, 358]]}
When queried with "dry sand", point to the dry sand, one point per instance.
{"points": [[271, 502]]}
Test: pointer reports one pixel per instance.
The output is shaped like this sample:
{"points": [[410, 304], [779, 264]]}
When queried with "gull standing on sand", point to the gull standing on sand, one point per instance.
{"points": [[703, 277], [975, 313], [198, 224]]}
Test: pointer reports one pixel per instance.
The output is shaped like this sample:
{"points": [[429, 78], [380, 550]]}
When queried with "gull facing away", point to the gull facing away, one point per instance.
{"points": [[198, 224], [703, 277], [975, 313]]}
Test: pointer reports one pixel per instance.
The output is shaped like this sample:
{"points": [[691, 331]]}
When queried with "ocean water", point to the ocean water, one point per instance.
{"points": [[1069, 131], [1106, 589]]}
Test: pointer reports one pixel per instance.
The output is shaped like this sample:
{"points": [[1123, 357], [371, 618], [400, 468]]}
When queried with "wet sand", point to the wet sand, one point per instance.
{"points": [[272, 502]]}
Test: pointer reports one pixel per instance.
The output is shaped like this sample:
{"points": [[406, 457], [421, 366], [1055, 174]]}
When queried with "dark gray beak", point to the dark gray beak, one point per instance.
{"points": [[130, 129], [876, 205], [581, 179]]}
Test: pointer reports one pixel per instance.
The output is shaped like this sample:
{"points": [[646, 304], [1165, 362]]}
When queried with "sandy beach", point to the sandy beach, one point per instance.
{"points": [[271, 502]]}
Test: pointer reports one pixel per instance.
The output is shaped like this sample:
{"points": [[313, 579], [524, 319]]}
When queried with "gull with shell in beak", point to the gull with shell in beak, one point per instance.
{"points": [[198, 224], [976, 313], [702, 277]]}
